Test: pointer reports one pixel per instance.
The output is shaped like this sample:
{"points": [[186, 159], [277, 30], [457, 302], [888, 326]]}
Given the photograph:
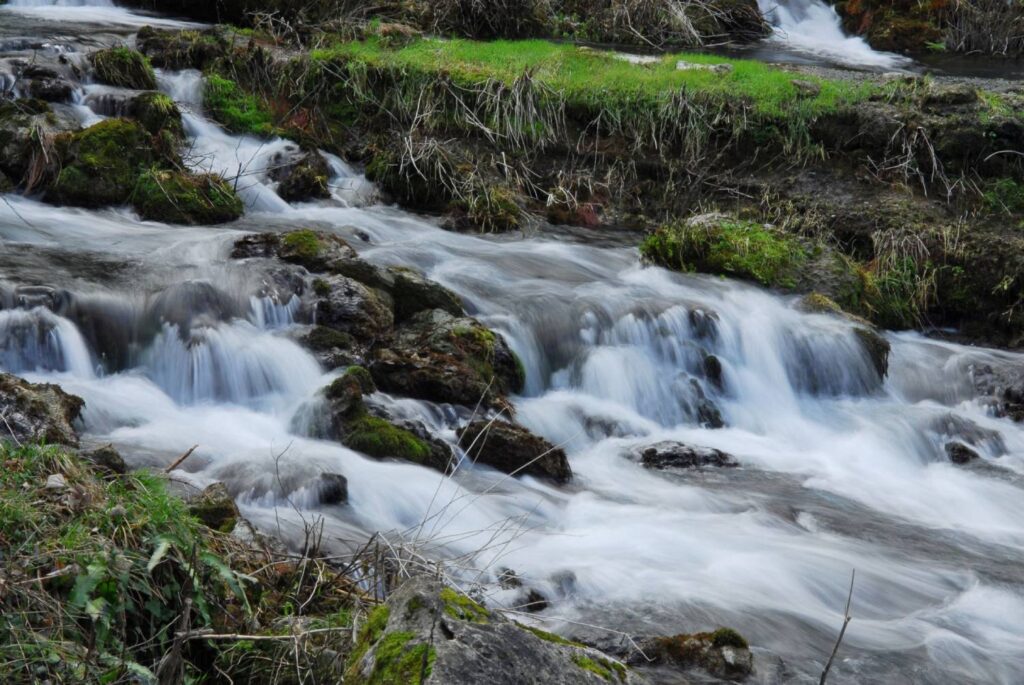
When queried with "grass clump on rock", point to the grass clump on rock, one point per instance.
{"points": [[237, 110], [102, 163], [182, 198], [157, 112], [124, 67]]}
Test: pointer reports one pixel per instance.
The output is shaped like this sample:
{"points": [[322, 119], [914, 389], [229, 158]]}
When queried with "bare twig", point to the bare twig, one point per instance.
{"points": [[842, 631]]}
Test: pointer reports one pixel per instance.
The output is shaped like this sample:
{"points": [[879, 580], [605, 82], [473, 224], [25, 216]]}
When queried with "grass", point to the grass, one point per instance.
{"points": [[589, 76], [237, 110]]}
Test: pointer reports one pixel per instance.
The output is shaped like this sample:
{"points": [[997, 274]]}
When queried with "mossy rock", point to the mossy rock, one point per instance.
{"points": [[178, 197], [379, 438], [189, 49], [123, 67], [102, 163], [234, 108], [216, 509], [157, 112]]}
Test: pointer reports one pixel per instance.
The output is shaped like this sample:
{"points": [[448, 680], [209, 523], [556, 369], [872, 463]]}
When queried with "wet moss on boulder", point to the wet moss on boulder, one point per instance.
{"points": [[182, 198], [157, 112], [102, 164], [123, 67]]}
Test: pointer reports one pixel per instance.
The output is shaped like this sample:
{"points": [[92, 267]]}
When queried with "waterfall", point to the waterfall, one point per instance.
{"points": [[813, 26]]}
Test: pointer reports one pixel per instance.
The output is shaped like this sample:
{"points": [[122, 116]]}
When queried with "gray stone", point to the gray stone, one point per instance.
{"points": [[665, 455], [513, 449], [37, 412]]}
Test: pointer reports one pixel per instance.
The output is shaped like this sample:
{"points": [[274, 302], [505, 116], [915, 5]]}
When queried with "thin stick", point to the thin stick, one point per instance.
{"points": [[182, 458], [842, 631]]}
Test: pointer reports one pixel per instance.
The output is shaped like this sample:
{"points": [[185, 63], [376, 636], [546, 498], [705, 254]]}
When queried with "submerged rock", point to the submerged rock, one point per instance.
{"points": [[959, 453], [514, 450], [723, 654], [433, 635], [37, 412], [664, 455], [332, 489]]}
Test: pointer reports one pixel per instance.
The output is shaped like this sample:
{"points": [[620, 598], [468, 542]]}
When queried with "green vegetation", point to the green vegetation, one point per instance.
{"points": [[124, 67], [237, 110], [461, 607], [727, 637], [740, 249], [182, 198], [592, 78], [492, 210], [157, 112], [551, 637], [301, 246], [605, 669], [102, 163], [1004, 196], [379, 438]]}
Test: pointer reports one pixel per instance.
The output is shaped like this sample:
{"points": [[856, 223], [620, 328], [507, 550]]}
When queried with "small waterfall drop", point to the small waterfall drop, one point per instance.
{"points": [[813, 26]]}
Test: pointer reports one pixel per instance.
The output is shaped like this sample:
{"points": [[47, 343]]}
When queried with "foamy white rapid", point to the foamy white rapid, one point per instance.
{"points": [[171, 343], [813, 26]]}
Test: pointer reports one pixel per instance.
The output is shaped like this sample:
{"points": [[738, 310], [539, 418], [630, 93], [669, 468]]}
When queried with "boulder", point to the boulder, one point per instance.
{"points": [[106, 458], [37, 412], [23, 125], [215, 508], [332, 489], [512, 449], [178, 197], [349, 306], [724, 654], [301, 179], [433, 635], [665, 455], [442, 358], [413, 294], [156, 112]]}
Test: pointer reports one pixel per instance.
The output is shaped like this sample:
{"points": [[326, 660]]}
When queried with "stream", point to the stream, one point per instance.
{"points": [[171, 343]]}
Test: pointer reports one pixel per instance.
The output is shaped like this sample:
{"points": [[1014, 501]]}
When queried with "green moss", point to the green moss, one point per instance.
{"points": [[378, 438], [102, 164], [492, 210], [157, 112], [124, 67], [182, 198], [1004, 196], [727, 637], [321, 287], [460, 607], [302, 245], [237, 110], [732, 248], [607, 670], [551, 637], [363, 377], [397, 662], [323, 339]]}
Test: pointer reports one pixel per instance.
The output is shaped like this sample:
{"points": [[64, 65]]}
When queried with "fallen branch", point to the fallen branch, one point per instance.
{"points": [[842, 631], [178, 462]]}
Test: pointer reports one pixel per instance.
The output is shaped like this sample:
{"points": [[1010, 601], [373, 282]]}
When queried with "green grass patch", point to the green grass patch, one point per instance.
{"points": [[237, 110], [591, 77]]}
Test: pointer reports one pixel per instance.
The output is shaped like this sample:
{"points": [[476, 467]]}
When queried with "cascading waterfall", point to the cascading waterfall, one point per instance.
{"points": [[814, 26], [839, 469]]}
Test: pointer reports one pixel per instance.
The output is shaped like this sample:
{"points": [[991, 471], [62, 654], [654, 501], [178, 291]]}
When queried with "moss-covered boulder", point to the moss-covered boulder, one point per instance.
{"points": [[723, 653], [157, 112], [512, 449], [102, 164], [123, 67], [428, 634], [439, 357], [178, 197], [26, 126], [35, 413], [236, 109], [348, 306], [304, 179]]}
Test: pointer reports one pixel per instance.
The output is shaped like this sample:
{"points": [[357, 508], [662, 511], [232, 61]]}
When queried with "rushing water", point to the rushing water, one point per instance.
{"points": [[172, 344]]}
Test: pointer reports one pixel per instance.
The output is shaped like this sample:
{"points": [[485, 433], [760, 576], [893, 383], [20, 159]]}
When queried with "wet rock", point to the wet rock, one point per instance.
{"points": [[332, 348], [413, 294], [106, 458], [713, 370], [722, 654], [123, 67], [24, 124], [439, 357], [876, 347], [424, 623], [665, 455], [191, 301], [959, 453], [349, 306], [705, 411], [215, 508], [37, 412], [514, 450], [301, 179], [332, 489], [52, 89]]}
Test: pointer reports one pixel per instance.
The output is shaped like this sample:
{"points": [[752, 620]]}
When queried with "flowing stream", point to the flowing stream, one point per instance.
{"points": [[171, 343]]}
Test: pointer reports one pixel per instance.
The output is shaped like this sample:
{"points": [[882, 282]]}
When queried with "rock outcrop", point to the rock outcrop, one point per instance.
{"points": [[665, 455], [31, 412], [512, 449]]}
